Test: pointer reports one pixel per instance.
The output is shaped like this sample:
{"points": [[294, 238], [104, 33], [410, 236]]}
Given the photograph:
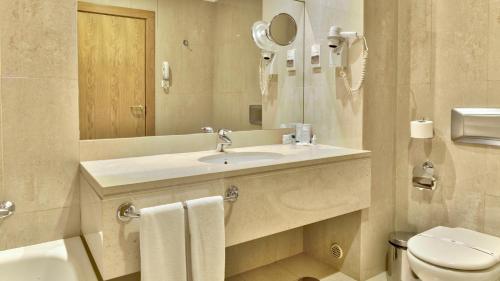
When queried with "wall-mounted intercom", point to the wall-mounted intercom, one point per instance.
{"points": [[165, 70]]}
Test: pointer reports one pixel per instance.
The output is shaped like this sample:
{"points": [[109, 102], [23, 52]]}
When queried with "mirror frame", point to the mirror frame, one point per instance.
{"points": [[270, 34]]}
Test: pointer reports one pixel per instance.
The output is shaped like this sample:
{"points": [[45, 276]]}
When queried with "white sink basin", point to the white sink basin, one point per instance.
{"points": [[240, 157]]}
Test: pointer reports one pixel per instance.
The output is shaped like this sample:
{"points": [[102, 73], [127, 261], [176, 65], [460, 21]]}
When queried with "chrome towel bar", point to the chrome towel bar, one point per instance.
{"points": [[127, 211]]}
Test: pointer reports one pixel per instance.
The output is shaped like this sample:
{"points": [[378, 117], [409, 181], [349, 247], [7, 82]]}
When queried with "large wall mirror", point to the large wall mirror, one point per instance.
{"points": [[167, 67]]}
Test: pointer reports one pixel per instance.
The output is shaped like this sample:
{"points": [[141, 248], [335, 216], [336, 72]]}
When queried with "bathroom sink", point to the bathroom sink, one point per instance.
{"points": [[240, 157]]}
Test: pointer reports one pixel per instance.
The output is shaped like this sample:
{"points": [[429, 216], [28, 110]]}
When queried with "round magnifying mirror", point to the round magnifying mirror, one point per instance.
{"points": [[283, 29]]}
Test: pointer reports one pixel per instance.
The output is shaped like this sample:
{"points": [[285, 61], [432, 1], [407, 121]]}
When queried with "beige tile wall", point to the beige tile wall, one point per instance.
{"points": [[343, 230], [260, 252], [378, 131], [236, 64], [187, 106], [133, 147], [366, 120], [337, 117], [284, 101], [1, 133], [39, 121], [449, 58]]}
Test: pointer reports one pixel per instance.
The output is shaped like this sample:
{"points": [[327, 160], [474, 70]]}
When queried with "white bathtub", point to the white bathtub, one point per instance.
{"points": [[60, 260]]}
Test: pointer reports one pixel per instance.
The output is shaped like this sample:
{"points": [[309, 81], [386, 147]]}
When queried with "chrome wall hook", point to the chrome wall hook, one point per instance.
{"points": [[186, 44]]}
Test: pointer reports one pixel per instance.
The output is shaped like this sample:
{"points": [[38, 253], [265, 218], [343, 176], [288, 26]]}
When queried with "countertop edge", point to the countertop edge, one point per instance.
{"points": [[110, 191]]}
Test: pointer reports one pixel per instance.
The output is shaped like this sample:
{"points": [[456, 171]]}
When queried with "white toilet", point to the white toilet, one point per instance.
{"points": [[454, 254]]}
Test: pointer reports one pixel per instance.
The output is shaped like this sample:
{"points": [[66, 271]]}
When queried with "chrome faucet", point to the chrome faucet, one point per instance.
{"points": [[223, 140], [208, 130]]}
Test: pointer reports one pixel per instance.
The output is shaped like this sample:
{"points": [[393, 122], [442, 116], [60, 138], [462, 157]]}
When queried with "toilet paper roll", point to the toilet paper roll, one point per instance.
{"points": [[422, 129]]}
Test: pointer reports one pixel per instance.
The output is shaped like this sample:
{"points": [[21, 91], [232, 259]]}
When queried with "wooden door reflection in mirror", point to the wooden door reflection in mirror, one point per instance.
{"points": [[116, 71]]}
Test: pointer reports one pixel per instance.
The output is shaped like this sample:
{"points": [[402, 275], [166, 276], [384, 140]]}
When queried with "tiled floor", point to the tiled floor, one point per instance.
{"points": [[381, 277], [291, 269]]}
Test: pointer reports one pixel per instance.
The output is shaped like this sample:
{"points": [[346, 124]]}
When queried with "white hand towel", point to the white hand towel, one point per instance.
{"points": [[206, 227], [163, 243]]}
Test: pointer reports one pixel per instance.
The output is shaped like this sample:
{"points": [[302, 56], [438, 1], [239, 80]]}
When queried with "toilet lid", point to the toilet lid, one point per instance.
{"points": [[456, 248]]}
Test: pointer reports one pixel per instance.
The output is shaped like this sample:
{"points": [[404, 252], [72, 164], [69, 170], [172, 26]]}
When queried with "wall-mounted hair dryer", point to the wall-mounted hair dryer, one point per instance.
{"points": [[262, 40], [337, 38], [267, 54]]}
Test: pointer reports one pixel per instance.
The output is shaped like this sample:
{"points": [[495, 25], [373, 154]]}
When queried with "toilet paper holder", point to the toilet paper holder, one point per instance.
{"points": [[424, 177], [422, 129]]}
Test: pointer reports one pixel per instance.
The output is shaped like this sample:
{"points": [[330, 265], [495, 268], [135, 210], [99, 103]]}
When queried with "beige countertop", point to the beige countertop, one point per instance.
{"points": [[116, 176]]}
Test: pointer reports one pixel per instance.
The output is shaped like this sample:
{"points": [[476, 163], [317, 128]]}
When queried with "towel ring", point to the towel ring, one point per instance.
{"points": [[126, 211]]}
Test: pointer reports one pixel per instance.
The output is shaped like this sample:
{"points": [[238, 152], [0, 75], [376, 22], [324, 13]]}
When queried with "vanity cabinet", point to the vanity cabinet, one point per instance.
{"points": [[269, 202]]}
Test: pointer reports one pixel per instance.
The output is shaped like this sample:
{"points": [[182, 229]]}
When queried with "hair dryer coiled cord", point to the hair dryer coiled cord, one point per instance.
{"points": [[364, 60]]}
